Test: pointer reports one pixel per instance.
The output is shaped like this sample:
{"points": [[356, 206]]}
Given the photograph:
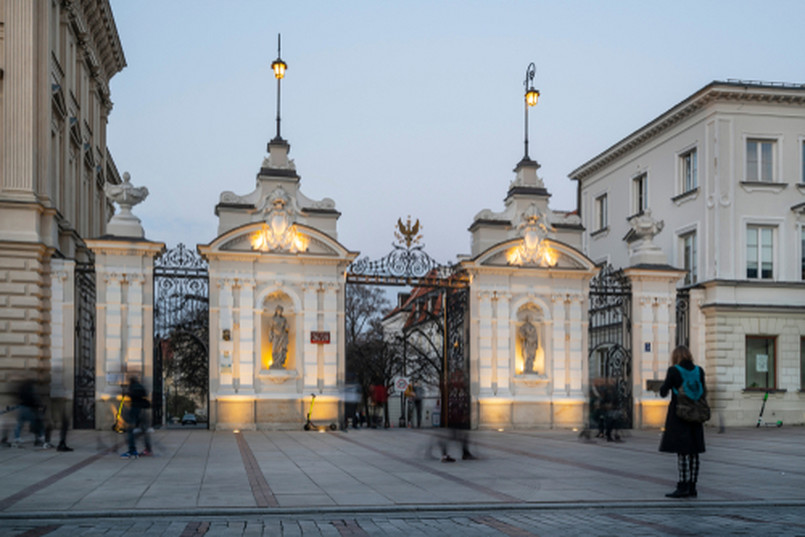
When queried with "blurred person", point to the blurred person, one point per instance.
{"points": [[684, 438], [457, 423], [419, 394], [137, 419], [29, 411], [380, 397]]}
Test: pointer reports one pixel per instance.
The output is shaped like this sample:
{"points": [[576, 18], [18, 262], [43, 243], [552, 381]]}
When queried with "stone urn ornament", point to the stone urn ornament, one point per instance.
{"points": [[126, 195]]}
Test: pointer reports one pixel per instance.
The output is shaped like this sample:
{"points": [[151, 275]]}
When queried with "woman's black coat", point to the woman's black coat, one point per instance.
{"points": [[680, 436]]}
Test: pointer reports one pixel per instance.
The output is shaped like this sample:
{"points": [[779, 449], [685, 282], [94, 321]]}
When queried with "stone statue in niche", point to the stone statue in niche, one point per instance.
{"points": [[278, 336], [529, 337]]}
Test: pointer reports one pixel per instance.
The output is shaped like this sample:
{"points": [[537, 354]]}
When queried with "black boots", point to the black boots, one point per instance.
{"points": [[692, 490], [682, 490]]}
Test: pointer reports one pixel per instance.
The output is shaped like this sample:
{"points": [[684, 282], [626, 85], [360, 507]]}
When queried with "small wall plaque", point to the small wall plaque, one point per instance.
{"points": [[321, 338]]}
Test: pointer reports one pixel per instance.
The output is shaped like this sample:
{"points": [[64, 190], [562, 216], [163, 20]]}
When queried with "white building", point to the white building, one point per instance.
{"points": [[56, 61], [725, 171]]}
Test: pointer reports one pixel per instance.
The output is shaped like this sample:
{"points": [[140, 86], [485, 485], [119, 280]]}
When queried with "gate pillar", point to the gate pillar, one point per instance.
{"points": [[124, 266], [653, 331]]}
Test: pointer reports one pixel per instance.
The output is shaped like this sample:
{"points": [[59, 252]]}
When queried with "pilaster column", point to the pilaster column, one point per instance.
{"points": [[134, 357], [330, 354], [247, 338], [226, 366], [576, 353], [503, 351], [559, 356], [62, 323], [486, 370], [307, 360]]}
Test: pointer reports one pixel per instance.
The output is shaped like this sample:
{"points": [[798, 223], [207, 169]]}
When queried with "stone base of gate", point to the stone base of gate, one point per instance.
{"points": [[272, 414], [501, 413], [651, 414]]}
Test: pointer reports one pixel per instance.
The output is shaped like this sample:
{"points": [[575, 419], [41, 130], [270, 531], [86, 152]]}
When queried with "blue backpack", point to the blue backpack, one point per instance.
{"points": [[690, 405], [691, 383]]}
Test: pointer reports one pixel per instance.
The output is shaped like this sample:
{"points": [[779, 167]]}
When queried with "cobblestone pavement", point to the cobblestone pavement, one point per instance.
{"points": [[586, 520]]}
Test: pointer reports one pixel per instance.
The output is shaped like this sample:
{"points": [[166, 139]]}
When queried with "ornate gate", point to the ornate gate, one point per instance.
{"points": [[84, 369], [409, 265], [610, 343], [181, 335]]}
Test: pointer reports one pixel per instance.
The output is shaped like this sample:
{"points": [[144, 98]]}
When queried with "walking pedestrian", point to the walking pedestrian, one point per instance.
{"points": [[684, 438], [137, 419], [30, 412]]}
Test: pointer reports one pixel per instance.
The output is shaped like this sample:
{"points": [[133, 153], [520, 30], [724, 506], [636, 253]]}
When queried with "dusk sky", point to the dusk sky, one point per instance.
{"points": [[410, 108]]}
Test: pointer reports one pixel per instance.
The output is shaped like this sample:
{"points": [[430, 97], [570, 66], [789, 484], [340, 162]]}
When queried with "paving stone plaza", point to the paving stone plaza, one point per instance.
{"points": [[392, 482]]}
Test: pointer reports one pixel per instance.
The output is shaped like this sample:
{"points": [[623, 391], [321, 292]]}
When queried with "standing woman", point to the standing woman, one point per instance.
{"points": [[684, 438]]}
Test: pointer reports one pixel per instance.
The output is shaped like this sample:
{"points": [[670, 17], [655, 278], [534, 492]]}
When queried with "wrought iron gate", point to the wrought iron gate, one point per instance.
{"points": [[610, 343], [409, 265], [181, 334], [683, 317], [84, 345]]}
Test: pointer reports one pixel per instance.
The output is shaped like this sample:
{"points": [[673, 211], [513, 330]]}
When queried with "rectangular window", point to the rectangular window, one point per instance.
{"points": [[760, 160], [759, 252], [802, 178], [689, 257], [689, 165], [760, 362], [802, 364], [639, 194], [802, 251], [601, 212]]}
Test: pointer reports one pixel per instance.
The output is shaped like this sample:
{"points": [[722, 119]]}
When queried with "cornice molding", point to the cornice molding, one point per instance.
{"points": [[715, 91]]}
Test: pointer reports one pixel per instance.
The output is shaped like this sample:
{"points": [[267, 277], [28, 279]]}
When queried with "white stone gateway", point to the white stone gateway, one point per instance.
{"points": [[528, 306], [276, 285]]}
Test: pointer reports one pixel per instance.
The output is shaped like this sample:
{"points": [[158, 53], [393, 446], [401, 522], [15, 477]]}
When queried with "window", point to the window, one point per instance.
{"points": [[760, 252], [689, 257], [639, 194], [601, 212], [760, 160], [802, 178], [802, 250], [689, 168], [760, 362], [802, 364]]}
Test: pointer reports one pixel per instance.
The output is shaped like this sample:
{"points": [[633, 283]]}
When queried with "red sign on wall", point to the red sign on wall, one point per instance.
{"points": [[321, 338]]}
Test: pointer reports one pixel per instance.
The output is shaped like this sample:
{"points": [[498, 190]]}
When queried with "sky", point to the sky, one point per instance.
{"points": [[397, 108]]}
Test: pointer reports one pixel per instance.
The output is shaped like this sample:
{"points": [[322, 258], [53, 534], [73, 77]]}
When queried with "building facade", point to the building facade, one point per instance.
{"points": [[56, 60], [724, 170]]}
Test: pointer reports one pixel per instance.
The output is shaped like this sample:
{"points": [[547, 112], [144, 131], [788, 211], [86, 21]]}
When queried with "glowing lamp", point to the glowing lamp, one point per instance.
{"points": [[279, 67], [531, 96]]}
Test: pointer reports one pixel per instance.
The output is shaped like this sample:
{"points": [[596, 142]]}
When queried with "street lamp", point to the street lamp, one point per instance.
{"points": [[279, 68], [531, 98]]}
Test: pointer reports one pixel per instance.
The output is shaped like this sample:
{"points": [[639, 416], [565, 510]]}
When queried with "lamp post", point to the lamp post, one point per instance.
{"points": [[531, 97], [279, 68]]}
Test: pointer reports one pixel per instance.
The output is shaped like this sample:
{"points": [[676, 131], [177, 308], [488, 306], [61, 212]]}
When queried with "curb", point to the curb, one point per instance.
{"points": [[395, 509]]}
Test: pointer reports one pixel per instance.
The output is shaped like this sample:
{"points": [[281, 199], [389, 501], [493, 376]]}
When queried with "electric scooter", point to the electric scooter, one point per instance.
{"points": [[309, 425], [778, 423]]}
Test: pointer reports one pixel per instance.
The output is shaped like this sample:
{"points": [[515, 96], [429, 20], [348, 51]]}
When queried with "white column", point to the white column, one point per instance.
{"points": [[62, 322], [576, 353], [503, 350], [134, 359], [246, 339], [113, 342], [308, 361], [486, 372], [331, 324], [558, 357], [225, 348]]}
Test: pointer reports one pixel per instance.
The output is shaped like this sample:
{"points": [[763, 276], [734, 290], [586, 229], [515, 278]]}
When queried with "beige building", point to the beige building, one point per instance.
{"points": [[724, 170], [56, 60]]}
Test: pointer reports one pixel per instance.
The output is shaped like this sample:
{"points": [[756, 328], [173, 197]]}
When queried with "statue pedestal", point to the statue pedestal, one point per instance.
{"points": [[278, 376]]}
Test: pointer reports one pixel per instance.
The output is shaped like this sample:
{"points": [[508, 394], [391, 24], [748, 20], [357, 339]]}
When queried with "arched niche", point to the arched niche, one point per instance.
{"points": [[529, 335], [277, 304]]}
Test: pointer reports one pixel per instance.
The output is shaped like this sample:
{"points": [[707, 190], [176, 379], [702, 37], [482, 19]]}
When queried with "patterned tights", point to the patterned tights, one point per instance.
{"points": [[688, 467]]}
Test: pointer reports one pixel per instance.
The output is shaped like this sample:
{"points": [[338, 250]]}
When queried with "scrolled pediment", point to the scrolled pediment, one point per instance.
{"points": [[508, 254]]}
